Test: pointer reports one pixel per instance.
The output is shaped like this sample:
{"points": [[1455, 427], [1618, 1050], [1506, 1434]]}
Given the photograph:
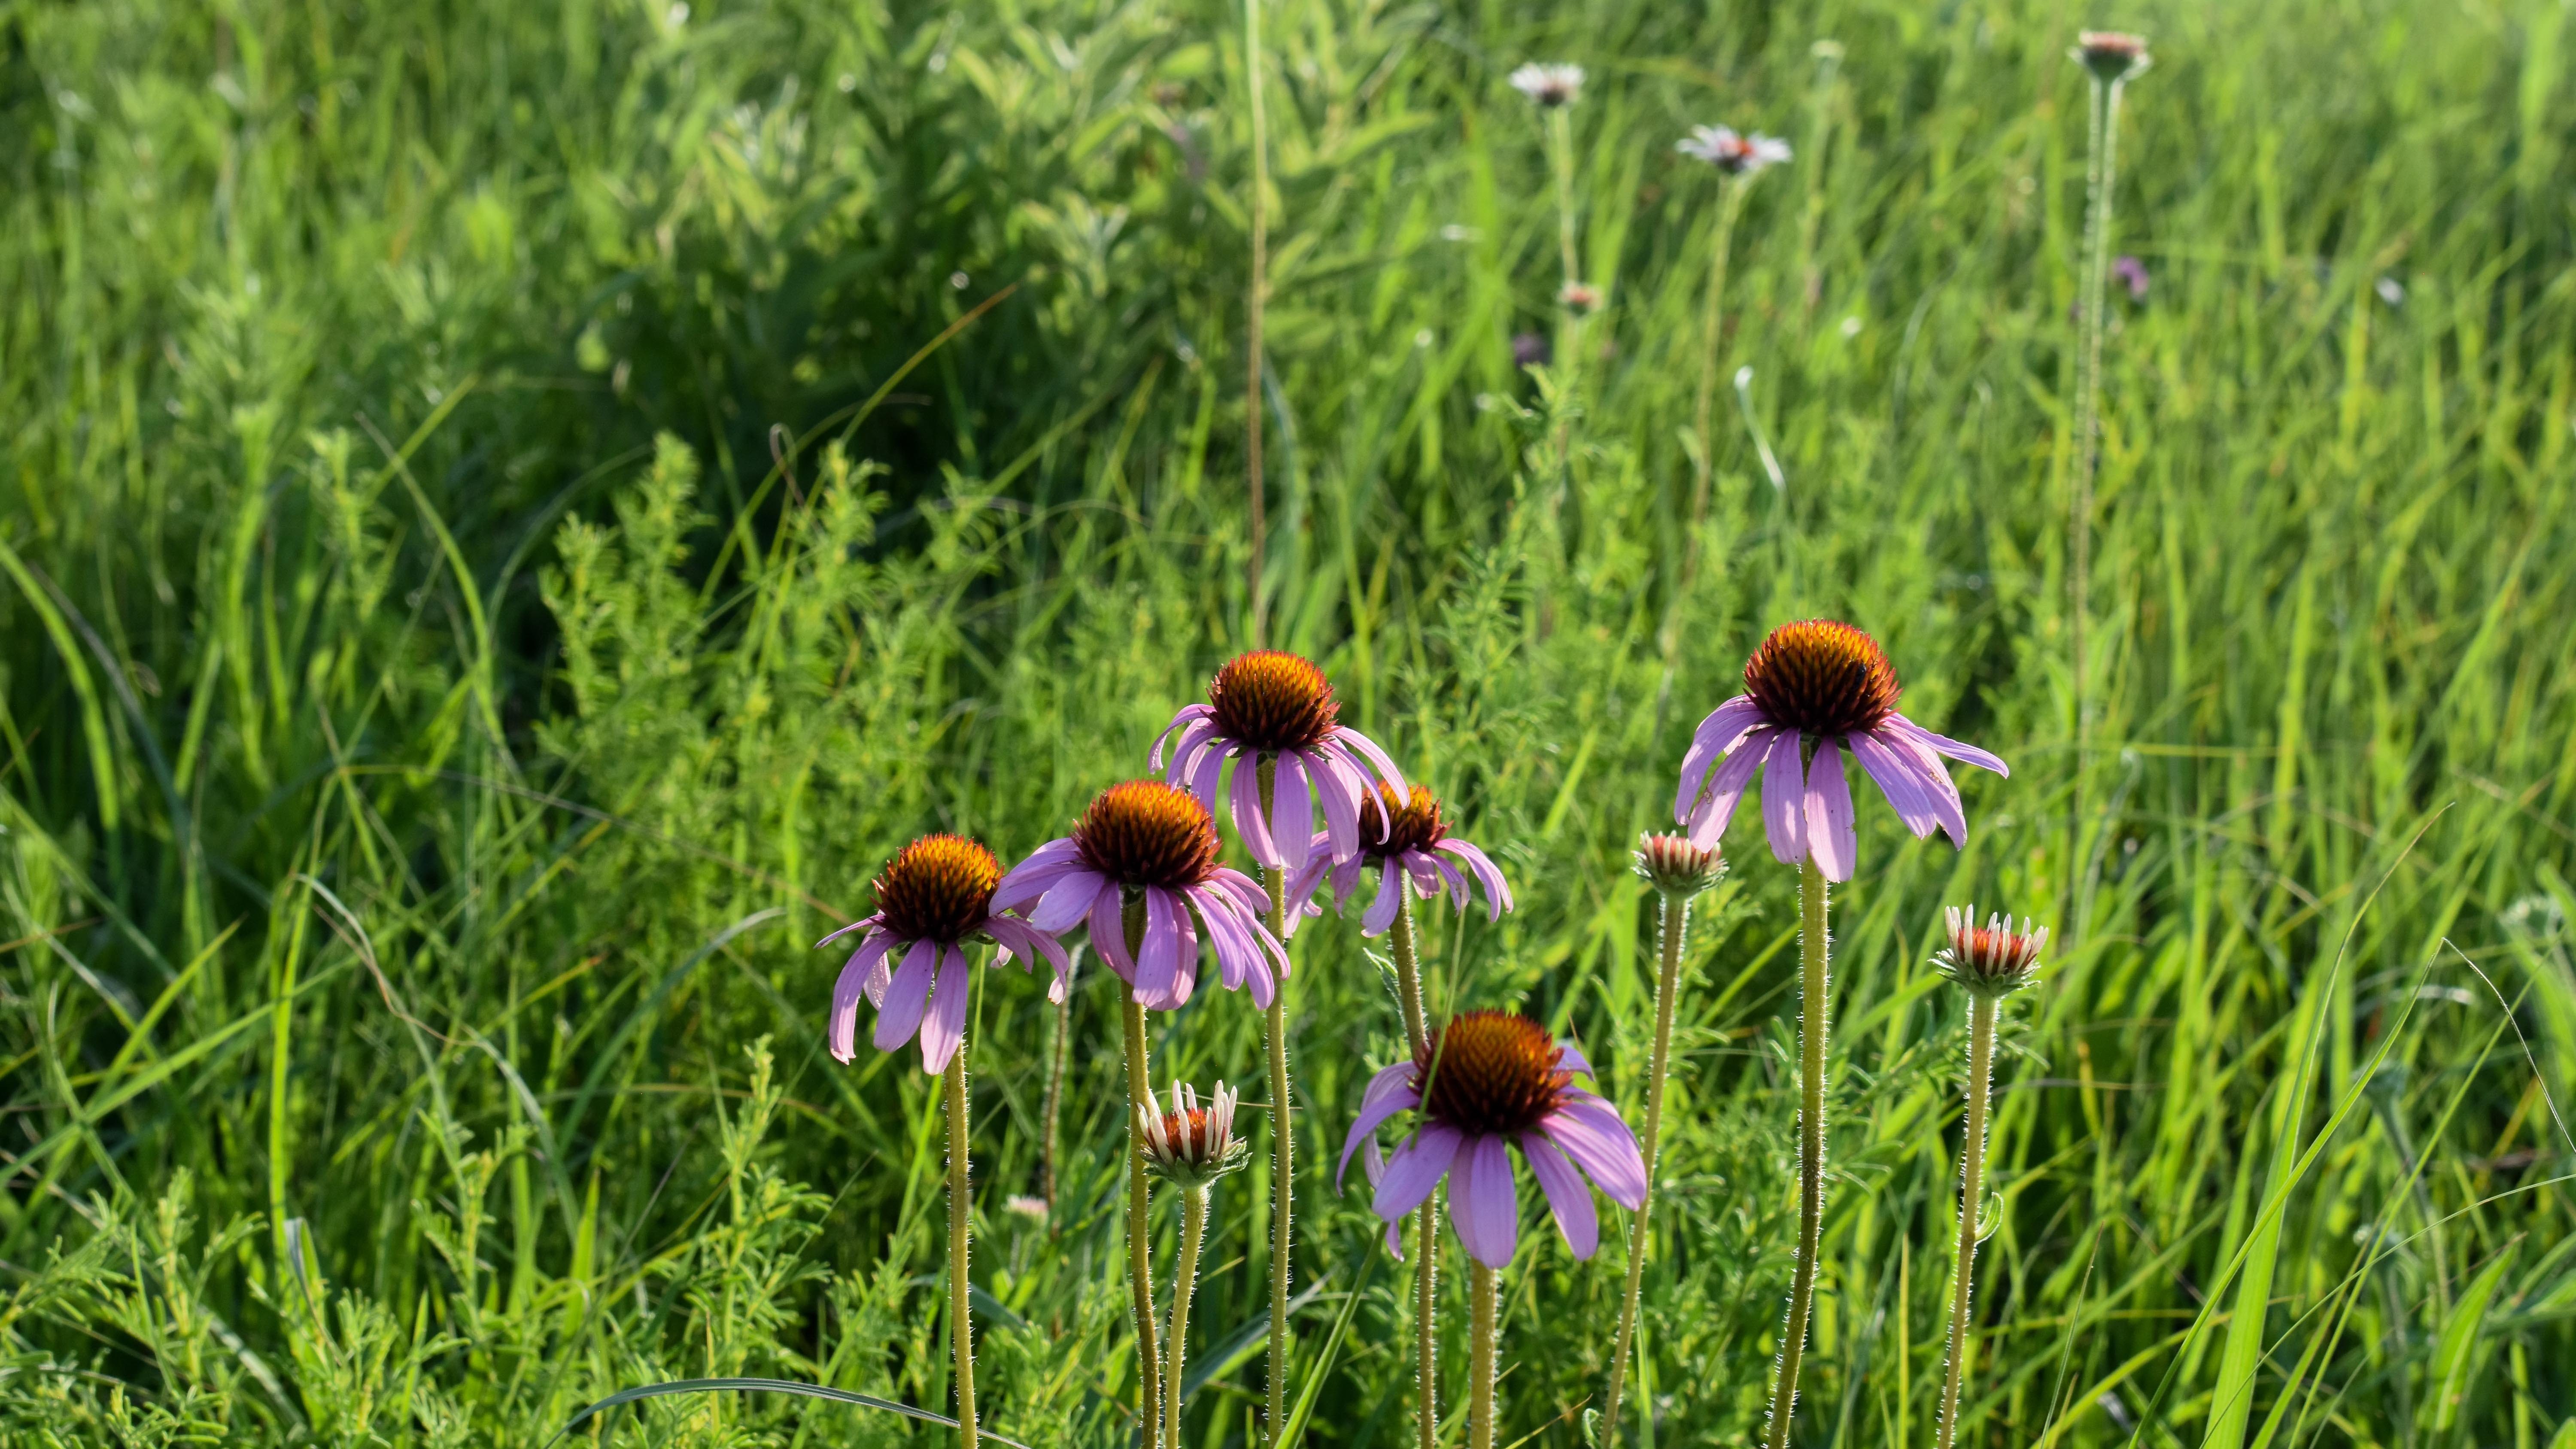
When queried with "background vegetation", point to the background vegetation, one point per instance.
{"points": [[488, 584]]}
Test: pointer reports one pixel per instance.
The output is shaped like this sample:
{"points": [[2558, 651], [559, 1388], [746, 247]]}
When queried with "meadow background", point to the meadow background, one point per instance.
{"points": [[484, 592]]}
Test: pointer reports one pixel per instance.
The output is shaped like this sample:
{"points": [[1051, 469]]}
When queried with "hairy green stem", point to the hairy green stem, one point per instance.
{"points": [[1426, 1265], [1483, 1310], [1194, 1207], [1256, 298], [1140, 1244], [2093, 280], [1668, 977], [1282, 1193], [1972, 1169], [961, 1217], [1812, 947]]}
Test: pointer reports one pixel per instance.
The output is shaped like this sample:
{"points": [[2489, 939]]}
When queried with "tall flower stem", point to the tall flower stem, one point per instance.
{"points": [[1668, 976], [961, 1213], [1812, 947], [1426, 1267], [1282, 1193], [1258, 297], [1194, 1208], [1569, 341], [1972, 1168], [1730, 202], [1140, 1243], [1482, 1295], [2093, 278]]}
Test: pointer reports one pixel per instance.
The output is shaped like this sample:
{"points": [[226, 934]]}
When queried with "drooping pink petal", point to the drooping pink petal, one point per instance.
{"points": [[865, 964], [1830, 832], [1382, 909], [1942, 744], [1248, 820], [944, 1025], [1716, 735], [1414, 1170], [1338, 787], [1934, 777], [1377, 758], [1570, 1058], [1206, 775], [1498, 892], [1389, 1092], [1569, 1197], [1483, 1202], [1303, 885], [1244, 889], [1109, 935], [1018, 939], [1346, 876], [858, 925], [1897, 779], [1292, 809], [1236, 954], [1193, 725], [1784, 799], [1069, 900], [1708, 820], [1158, 965], [878, 951], [907, 997], [1186, 978], [1034, 876], [1591, 1133], [1430, 874]]}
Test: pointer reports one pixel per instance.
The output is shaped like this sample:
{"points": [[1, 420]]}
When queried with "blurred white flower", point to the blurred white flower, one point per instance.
{"points": [[1549, 85], [1735, 155]]}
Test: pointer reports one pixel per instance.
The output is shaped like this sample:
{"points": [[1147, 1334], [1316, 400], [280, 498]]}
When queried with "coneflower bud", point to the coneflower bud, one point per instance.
{"points": [[1035, 1209], [2113, 55], [1992, 959], [1191, 1146], [1671, 864], [1579, 298]]}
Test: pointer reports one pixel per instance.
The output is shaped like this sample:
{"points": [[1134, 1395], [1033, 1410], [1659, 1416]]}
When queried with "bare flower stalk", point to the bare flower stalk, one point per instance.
{"points": [[1282, 1193], [1258, 298], [1140, 1245], [1812, 979], [1704, 404], [1560, 148], [1676, 924], [961, 1213], [1194, 1209], [2093, 279], [1426, 1265], [1972, 1165], [1482, 1292]]}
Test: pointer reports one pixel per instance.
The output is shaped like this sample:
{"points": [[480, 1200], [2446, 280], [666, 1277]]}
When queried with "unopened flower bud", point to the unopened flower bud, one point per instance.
{"points": [[1191, 1146], [2112, 55], [1992, 959], [1671, 864]]}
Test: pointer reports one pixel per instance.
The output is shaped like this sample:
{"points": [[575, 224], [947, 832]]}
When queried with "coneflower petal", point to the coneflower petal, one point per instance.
{"points": [[1292, 810], [1068, 900], [1415, 1169], [1192, 722], [1034, 876], [1591, 1133], [944, 1025], [1377, 758], [1248, 820], [907, 997], [1708, 820], [860, 924], [1891, 766], [1158, 965], [1784, 799], [1373, 1114], [1206, 774], [1498, 892], [1938, 787], [1339, 793], [1830, 831], [1482, 1202], [1569, 1197], [1725, 726], [1109, 935], [1942, 744], [1382, 909]]}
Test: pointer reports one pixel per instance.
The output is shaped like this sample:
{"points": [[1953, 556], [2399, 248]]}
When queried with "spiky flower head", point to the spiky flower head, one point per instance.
{"points": [[1022, 1205], [1191, 1146], [1822, 677], [1671, 864], [2112, 55], [1491, 1071], [939, 888], [1735, 155], [1992, 959], [1549, 85], [1147, 833], [1272, 700]]}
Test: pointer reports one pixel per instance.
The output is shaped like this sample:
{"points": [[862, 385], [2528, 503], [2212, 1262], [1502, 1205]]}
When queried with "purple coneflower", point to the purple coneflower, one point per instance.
{"points": [[1153, 844], [1405, 841], [935, 895], [1826, 682], [1495, 1077], [1735, 155], [1549, 85], [1272, 706], [2133, 275]]}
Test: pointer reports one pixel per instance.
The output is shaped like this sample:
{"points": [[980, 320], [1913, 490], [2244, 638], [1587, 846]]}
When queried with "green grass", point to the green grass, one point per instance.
{"points": [[435, 726]]}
